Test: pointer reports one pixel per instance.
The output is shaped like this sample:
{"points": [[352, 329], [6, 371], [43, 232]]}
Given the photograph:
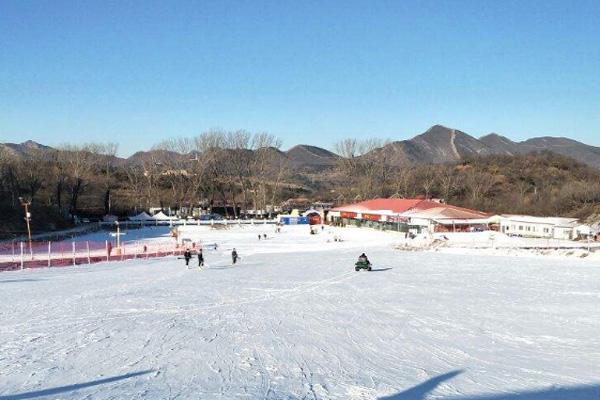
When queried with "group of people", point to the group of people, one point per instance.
{"points": [[187, 256]]}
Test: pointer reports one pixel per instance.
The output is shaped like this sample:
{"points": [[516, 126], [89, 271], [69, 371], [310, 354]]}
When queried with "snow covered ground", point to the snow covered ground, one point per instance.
{"points": [[293, 320]]}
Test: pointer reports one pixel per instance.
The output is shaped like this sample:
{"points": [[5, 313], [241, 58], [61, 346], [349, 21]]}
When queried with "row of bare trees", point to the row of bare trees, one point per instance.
{"points": [[58, 177], [239, 169]]}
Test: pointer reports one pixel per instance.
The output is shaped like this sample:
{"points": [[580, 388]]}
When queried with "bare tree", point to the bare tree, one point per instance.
{"points": [[365, 167], [77, 162], [479, 185], [105, 162], [447, 178]]}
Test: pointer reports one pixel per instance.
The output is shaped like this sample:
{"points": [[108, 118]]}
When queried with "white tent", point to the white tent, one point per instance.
{"points": [[143, 216], [110, 218], [311, 211], [161, 216]]}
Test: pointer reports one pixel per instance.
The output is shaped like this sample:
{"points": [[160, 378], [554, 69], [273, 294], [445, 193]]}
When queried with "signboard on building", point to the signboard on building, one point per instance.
{"points": [[397, 219], [371, 217], [294, 220]]}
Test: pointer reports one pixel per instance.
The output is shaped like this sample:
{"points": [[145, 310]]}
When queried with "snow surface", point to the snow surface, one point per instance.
{"points": [[293, 320]]}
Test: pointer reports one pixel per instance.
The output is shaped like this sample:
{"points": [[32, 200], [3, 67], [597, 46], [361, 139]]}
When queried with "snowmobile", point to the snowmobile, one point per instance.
{"points": [[362, 265]]}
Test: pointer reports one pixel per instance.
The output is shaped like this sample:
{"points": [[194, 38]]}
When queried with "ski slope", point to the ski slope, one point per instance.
{"points": [[293, 320]]}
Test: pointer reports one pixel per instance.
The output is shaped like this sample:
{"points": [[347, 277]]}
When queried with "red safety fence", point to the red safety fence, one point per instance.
{"points": [[21, 255]]}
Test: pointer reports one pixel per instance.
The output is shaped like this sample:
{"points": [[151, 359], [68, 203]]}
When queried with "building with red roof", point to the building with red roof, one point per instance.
{"points": [[410, 215]]}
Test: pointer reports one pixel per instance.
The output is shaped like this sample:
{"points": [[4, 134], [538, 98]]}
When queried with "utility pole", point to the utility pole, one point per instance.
{"points": [[26, 205], [118, 236]]}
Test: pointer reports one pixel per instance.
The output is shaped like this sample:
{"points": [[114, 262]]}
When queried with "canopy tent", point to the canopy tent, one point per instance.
{"points": [[110, 218], [143, 216], [161, 216], [309, 212]]}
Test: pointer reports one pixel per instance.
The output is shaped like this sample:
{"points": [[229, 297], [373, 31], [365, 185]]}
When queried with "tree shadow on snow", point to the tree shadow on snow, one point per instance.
{"points": [[70, 388], [421, 392], [21, 280]]}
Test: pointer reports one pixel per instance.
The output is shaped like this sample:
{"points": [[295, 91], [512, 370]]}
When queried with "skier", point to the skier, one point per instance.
{"points": [[259, 236], [187, 254], [234, 256], [264, 236], [200, 258]]}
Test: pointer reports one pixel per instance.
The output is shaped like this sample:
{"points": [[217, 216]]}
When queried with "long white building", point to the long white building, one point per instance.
{"points": [[543, 227]]}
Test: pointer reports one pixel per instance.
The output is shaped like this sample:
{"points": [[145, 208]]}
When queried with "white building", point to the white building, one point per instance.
{"points": [[543, 227]]}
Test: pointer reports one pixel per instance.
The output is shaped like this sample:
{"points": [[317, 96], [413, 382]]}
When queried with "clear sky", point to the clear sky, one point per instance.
{"points": [[137, 72]]}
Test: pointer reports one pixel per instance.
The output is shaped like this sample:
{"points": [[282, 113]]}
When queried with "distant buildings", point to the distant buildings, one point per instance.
{"points": [[409, 215], [417, 215], [543, 227]]}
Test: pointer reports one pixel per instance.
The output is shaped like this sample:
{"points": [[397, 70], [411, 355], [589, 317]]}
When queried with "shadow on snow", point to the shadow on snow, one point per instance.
{"points": [[421, 392], [21, 280], [70, 388]]}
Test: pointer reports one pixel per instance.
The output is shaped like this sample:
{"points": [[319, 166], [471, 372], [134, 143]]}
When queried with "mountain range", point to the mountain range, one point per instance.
{"points": [[438, 144]]}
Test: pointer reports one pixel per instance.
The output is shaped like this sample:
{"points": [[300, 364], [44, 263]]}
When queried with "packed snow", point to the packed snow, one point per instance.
{"points": [[293, 320]]}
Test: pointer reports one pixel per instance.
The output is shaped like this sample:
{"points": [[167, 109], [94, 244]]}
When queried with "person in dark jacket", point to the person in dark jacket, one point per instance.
{"points": [[187, 255], [200, 258], [234, 256], [363, 258]]}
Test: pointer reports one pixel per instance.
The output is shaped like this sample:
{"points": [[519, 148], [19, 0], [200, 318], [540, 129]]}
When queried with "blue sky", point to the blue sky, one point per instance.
{"points": [[137, 72]]}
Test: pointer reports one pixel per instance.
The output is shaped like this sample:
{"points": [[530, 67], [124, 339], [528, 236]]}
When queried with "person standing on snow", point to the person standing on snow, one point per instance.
{"points": [[187, 255], [200, 258], [234, 256]]}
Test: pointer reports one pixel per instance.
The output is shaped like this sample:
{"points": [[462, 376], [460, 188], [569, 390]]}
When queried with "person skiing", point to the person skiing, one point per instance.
{"points": [[234, 256], [259, 236], [264, 236], [187, 254], [200, 258]]}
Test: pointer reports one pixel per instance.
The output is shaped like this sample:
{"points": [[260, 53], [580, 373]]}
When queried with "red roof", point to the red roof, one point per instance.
{"points": [[394, 205], [405, 205]]}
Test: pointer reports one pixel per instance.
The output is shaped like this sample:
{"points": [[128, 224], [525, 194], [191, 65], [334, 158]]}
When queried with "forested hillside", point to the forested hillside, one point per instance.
{"points": [[244, 171]]}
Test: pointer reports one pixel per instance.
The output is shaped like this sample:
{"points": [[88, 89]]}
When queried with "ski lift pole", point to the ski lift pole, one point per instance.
{"points": [[87, 244], [22, 263], [589, 244]]}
